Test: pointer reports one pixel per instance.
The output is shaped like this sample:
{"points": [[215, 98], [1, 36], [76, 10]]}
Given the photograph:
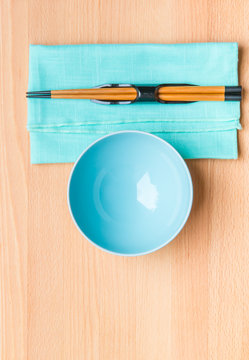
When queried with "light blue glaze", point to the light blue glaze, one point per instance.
{"points": [[130, 193]]}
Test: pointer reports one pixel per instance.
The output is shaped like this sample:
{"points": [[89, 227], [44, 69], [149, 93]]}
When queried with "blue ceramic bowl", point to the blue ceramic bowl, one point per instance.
{"points": [[130, 193]]}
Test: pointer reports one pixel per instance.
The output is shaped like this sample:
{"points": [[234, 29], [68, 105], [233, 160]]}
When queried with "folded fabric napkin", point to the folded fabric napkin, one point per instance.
{"points": [[61, 129]]}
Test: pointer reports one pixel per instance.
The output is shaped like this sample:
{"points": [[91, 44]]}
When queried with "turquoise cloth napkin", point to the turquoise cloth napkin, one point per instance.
{"points": [[61, 129]]}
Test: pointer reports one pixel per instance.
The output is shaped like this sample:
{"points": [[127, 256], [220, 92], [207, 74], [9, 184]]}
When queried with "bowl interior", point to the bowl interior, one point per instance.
{"points": [[130, 193]]}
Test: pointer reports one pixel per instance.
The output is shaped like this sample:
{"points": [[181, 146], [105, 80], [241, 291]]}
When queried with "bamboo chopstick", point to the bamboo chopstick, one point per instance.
{"points": [[130, 97]]}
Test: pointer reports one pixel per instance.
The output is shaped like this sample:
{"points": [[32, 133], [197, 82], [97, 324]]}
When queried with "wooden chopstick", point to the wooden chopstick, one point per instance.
{"points": [[181, 93], [132, 91], [165, 96], [129, 97]]}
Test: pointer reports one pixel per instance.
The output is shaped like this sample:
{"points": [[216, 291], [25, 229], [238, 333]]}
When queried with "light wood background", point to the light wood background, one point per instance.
{"points": [[61, 298]]}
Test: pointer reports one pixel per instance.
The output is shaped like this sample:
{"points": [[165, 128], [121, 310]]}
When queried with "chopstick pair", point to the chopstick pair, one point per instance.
{"points": [[127, 93]]}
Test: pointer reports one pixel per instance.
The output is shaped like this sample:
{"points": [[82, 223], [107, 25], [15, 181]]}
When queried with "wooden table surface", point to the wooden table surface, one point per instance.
{"points": [[61, 298]]}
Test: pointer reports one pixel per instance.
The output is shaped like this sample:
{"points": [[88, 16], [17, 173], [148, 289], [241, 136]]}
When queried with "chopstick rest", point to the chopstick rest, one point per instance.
{"points": [[123, 94]]}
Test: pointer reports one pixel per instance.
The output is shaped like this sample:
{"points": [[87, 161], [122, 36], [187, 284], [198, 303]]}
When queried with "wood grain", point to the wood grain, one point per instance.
{"points": [[60, 297]]}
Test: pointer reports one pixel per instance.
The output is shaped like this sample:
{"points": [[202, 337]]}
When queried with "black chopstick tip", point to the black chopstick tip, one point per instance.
{"points": [[45, 92], [38, 96], [233, 90], [233, 97], [233, 93]]}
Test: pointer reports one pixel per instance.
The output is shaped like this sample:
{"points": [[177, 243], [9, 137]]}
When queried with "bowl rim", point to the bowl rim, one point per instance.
{"points": [[190, 186]]}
